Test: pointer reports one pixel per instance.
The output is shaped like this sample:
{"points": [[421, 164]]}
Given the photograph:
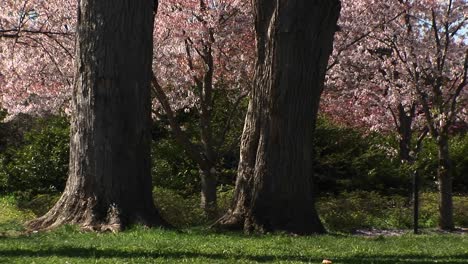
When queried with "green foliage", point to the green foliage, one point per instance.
{"points": [[429, 210], [35, 165], [348, 160], [172, 169], [184, 211], [460, 212], [179, 211], [225, 196], [427, 162], [354, 210], [40, 164], [39, 204], [228, 133], [459, 152]]}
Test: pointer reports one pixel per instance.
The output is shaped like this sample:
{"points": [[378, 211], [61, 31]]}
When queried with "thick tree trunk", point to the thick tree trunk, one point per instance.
{"points": [[444, 174], [274, 182], [109, 185]]}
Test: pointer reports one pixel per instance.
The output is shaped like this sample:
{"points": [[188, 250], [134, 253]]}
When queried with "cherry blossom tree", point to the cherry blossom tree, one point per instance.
{"points": [[407, 73], [36, 55], [203, 48]]}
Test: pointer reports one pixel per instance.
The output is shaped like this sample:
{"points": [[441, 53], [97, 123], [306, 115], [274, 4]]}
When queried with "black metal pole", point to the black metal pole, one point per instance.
{"points": [[415, 202]]}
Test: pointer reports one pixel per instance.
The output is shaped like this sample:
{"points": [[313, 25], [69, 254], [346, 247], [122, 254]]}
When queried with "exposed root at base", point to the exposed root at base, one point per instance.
{"points": [[229, 221]]}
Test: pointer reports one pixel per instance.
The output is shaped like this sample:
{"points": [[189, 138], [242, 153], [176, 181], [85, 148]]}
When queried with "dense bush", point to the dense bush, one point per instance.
{"points": [[40, 163], [172, 169], [34, 158], [178, 210], [354, 210], [348, 160], [345, 212], [358, 176], [184, 211], [459, 154]]}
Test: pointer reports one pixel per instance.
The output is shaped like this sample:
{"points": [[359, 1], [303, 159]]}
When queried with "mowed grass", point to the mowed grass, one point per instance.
{"points": [[139, 245]]}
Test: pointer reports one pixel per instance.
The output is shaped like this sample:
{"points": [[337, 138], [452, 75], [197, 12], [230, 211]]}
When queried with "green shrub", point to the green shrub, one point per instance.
{"points": [[178, 210], [225, 196], [428, 209], [172, 169], [40, 164], [429, 212], [353, 210], [460, 210], [459, 154], [348, 160], [184, 211], [427, 162]]}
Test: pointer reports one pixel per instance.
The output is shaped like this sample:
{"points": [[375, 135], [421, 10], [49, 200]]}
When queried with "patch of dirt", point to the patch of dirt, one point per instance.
{"points": [[373, 232], [460, 231]]}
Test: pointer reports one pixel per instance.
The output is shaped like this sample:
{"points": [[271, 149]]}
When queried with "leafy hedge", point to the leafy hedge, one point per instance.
{"points": [[345, 212], [354, 210], [34, 160], [40, 163]]}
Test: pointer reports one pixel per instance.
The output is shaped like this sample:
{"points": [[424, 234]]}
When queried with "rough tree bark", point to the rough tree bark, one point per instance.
{"points": [[109, 185], [444, 173], [274, 182], [208, 175], [404, 121]]}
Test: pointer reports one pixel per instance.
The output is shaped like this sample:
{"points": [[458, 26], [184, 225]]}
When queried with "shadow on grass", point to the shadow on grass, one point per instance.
{"points": [[73, 252]]}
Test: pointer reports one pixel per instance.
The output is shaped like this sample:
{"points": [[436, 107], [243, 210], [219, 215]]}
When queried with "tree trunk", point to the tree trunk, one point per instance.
{"points": [[109, 185], [205, 158], [208, 175], [444, 174], [208, 193], [274, 182], [405, 132]]}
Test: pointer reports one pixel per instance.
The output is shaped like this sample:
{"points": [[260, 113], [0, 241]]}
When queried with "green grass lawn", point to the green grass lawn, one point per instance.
{"points": [[139, 245], [68, 245]]}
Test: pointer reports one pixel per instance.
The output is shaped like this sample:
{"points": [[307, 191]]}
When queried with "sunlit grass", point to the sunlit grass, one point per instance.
{"points": [[139, 245], [12, 219]]}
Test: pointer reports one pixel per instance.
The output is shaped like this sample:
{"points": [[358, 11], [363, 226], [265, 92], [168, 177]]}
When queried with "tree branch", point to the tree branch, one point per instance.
{"points": [[179, 135]]}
